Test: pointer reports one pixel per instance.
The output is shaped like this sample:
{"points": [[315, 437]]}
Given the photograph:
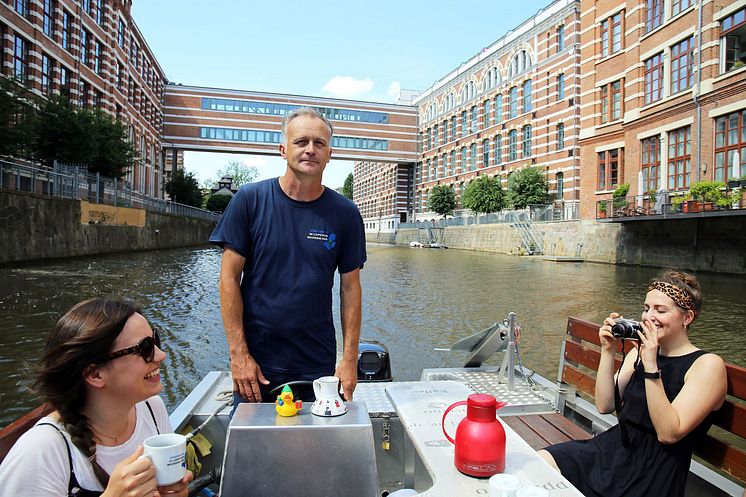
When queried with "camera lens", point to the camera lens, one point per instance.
{"points": [[626, 329]]}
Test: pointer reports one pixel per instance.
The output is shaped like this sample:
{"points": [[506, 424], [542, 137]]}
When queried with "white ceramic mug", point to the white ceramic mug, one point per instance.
{"points": [[328, 402], [503, 485], [167, 452]]}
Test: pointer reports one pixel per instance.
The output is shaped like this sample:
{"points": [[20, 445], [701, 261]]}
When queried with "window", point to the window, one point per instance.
{"points": [[650, 163], [611, 34], [608, 169], [560, 185], [119, 76], [452, 163], [526, 133], [463, 159], [560, 86], [730, 138], [84, 37], [654, 14], [48, 18], [453, 128], [512, 145], [527, 96], [120, 34], [682, 62], [498, 149], [513, 110], [561, 38], [467, 93], [100, 12], [733, 40], [485, 152], [520, 62], [491, 79], [499, 109], [97, 99], [680, 6], [21, 7], [436, 136], [474, 120], [560, 136], [611, 101], [20, 59], [86, 4], [679, 158], [449, 102], [473, 157], [83, 93], [66, 31], [654, 78], [47, 74], [431, 111], [486, 113], [64, 82], [429, 134], [464, 123], [444, 126]]}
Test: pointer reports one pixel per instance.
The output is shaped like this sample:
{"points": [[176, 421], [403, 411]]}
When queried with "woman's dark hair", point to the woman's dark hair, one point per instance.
{"points": [[686, 282], [81, 337]]}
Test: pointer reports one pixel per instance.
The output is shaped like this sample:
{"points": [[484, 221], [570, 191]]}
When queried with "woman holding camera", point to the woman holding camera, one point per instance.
{"points": [[664, 394], [100, 371]]}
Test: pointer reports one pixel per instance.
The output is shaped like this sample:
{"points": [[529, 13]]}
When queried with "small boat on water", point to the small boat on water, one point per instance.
{"points": [[391, 439]]}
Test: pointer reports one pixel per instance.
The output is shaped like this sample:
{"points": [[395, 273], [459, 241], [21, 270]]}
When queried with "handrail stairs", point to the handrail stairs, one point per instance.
{"points": [[531, 240]]}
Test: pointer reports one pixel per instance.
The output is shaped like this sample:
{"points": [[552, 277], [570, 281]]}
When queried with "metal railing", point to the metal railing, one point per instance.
{"points": [[733, 199], [559, 211], [74, 181]]}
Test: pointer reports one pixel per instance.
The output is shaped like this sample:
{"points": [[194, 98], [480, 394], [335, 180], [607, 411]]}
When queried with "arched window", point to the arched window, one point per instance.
{"points": [[467, 92], [449, 102], [520, 62], [432, 110], [491, 79]]}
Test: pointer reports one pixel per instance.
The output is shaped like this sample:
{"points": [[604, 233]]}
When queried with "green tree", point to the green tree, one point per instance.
{"points": [[527, 186], [483, 195], [63, 134], [442, 200], [347, 187], [218, 203], [114, 154], [18, 116], [240, 172], [183, 188]]}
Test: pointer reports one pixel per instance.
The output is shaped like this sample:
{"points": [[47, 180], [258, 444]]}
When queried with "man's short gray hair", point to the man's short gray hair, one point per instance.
{"points": [[304, 111]]}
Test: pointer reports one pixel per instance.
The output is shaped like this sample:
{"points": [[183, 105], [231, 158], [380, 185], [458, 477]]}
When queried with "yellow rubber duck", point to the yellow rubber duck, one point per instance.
{"points": [[285, 406]]}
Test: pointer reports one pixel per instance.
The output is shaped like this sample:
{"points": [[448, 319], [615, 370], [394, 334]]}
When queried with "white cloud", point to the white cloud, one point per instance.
{"points": [[394, 89], [347, 86]]}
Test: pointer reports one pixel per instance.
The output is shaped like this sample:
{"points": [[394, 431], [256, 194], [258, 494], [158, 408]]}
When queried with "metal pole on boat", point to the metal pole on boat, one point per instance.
{"points": [[511, 351]]}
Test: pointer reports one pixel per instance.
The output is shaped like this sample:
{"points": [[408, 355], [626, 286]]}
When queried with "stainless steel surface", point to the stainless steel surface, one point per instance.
{"points": [[303, 455], [375, 399]]}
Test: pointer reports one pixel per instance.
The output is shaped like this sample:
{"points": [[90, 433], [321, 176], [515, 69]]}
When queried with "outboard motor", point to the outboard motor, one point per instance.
{"points": [[373, 362]]}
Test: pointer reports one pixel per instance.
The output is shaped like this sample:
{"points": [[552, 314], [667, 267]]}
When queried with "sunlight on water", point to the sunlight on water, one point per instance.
{"points": [[414, 300]]}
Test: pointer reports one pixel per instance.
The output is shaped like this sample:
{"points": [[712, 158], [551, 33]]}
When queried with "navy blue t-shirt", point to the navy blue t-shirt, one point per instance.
{"points": [[292, 250]]}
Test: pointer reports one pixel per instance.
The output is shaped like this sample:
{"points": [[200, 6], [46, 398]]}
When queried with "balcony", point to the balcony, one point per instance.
{"points": [[676, 205]]}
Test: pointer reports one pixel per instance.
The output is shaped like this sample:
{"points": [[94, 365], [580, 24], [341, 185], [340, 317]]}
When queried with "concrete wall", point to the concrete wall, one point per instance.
{"points": [[36, 227], [715, 244]]}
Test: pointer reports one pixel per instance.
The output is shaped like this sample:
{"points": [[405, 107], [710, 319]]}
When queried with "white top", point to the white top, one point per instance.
{"points": [[38, 465]]}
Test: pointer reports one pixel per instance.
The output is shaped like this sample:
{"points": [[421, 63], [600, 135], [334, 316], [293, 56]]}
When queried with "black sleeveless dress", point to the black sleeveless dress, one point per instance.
{"points": [[604, 466]]}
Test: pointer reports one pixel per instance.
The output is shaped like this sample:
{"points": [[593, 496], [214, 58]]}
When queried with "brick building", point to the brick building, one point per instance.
{"points": [[92, 51], [512, 105], [662, 95]]}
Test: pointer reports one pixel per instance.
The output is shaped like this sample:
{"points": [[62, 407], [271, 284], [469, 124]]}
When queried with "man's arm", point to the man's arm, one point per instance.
{"points": [[350, 294], [245, 371]]}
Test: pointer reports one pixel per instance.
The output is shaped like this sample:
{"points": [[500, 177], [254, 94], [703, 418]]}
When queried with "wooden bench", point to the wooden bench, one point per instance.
{"points": [[722, 449]]}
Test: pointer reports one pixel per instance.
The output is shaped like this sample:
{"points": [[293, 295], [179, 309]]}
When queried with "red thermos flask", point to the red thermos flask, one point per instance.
{"points": [[480, 437]]}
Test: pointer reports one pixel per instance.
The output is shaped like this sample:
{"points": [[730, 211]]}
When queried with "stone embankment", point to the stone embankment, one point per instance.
{"points": [[714, 244], [36, 227]]}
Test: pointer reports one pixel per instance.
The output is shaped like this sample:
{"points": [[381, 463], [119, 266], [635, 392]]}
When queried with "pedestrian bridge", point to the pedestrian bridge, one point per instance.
{"points": [[220, 120]]}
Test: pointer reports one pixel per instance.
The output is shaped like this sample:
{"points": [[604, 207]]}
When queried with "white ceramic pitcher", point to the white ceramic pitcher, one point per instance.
{"points": [[328, 402]]}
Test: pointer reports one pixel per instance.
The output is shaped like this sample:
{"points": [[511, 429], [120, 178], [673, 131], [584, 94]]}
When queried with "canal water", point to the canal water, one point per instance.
{"points": [[414, 301]]}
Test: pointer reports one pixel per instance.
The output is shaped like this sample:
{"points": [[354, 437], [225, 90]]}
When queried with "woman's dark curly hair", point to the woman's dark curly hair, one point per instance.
{"points": [[84, 335]]}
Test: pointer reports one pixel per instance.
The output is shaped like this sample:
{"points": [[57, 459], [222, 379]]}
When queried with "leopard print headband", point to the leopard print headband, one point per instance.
{"points": [[679, 296]]}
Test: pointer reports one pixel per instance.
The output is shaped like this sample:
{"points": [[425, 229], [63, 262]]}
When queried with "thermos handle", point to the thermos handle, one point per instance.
{"points": [[443, 421]]}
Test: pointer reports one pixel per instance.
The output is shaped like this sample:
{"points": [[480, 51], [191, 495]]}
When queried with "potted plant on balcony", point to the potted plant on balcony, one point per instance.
{"points": [[708, 193], [677, 202], [602, 209], [620, 197]]}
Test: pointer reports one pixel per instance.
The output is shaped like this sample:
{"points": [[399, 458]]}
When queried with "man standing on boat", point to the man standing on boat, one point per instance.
{"points": [[282, 241]]}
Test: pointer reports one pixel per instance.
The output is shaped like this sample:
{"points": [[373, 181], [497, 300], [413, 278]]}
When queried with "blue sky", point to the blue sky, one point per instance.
{"points": [[358, 50]]}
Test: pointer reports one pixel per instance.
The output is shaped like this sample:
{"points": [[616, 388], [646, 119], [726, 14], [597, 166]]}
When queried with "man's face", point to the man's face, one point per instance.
{"points": [[307, 146]]}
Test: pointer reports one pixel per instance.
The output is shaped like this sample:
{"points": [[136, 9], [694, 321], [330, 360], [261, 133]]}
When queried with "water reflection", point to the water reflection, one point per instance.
{"points": [[414, 301]]}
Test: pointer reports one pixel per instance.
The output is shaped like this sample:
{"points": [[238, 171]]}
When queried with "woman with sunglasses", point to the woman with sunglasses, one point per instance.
{"points": [[100, 371]]}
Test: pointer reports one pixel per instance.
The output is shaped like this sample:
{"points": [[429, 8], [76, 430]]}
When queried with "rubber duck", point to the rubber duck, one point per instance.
{"points": [[285, 406]]}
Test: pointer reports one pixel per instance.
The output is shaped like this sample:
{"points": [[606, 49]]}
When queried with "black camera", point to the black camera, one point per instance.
{"points": [[626, 329]]}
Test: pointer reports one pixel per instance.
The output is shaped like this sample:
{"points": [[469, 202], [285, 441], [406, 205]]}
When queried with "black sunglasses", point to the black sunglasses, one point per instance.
{"points": [[145, 348]]}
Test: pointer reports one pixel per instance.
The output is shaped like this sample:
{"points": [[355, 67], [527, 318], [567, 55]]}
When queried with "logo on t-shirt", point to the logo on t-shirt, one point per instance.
{"points": [[329, 239]]}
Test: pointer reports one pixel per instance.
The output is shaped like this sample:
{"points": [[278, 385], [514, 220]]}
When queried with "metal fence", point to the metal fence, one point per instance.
{"points": [[74, 181], [534, 213]]}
